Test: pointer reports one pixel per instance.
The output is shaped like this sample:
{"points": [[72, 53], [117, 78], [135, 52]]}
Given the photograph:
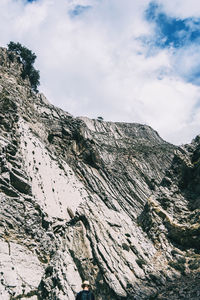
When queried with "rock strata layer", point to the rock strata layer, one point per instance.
{"points": [[108, 202]]}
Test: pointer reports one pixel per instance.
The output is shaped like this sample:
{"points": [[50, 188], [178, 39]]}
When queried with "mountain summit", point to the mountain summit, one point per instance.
{"points": [[85, 199]]}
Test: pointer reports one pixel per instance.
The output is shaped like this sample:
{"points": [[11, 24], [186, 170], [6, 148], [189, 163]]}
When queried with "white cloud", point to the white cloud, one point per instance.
{"points": [[181, 8], [186, 62], [170, 112], [95, 64]]}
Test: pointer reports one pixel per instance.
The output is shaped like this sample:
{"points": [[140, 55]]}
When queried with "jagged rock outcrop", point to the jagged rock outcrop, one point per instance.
{"points": [[86, 199]]}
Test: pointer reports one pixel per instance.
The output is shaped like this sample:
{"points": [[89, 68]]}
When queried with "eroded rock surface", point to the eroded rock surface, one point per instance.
{"points": [[86, 199]]}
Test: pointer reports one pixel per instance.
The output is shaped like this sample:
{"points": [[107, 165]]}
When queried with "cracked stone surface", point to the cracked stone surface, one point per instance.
{"points": [[84, 199]]}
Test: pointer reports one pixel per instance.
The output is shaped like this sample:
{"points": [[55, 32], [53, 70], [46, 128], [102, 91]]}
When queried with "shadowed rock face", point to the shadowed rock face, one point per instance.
{"points": [[86, 199]]}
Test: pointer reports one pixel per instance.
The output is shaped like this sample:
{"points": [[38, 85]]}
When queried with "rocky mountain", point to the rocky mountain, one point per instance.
{"points": [[85, 199]]}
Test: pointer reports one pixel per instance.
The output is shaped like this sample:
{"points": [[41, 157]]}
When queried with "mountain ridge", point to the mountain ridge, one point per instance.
{"points": [[109, 202]]}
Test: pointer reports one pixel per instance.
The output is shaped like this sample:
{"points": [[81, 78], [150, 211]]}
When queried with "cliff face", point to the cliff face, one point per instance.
{"points": [[84, 199]]}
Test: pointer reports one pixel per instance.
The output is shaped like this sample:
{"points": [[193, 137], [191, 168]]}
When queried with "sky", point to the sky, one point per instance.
{"points": [[124, 60]]}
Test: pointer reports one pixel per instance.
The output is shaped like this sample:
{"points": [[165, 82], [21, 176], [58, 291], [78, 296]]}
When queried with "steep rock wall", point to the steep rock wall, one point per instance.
{"points": [[86, 199]]}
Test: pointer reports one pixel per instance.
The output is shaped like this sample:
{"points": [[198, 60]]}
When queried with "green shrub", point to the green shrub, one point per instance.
{"points": [[178, 266], [194, 264], [140, 262], [125, 246], [100, 119], [27, 58], [11, 57]]}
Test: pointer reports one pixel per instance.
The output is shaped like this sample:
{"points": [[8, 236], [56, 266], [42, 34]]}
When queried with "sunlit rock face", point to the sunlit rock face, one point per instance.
{"points": [[111, 203]]}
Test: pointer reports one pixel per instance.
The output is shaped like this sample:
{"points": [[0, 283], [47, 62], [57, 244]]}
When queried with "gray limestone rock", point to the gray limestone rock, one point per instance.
{"points": [[80, 199]]}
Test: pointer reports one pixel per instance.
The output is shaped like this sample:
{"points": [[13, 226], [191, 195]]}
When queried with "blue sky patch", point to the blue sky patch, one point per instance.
{"points": [[78, 10], [172, 32]]}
